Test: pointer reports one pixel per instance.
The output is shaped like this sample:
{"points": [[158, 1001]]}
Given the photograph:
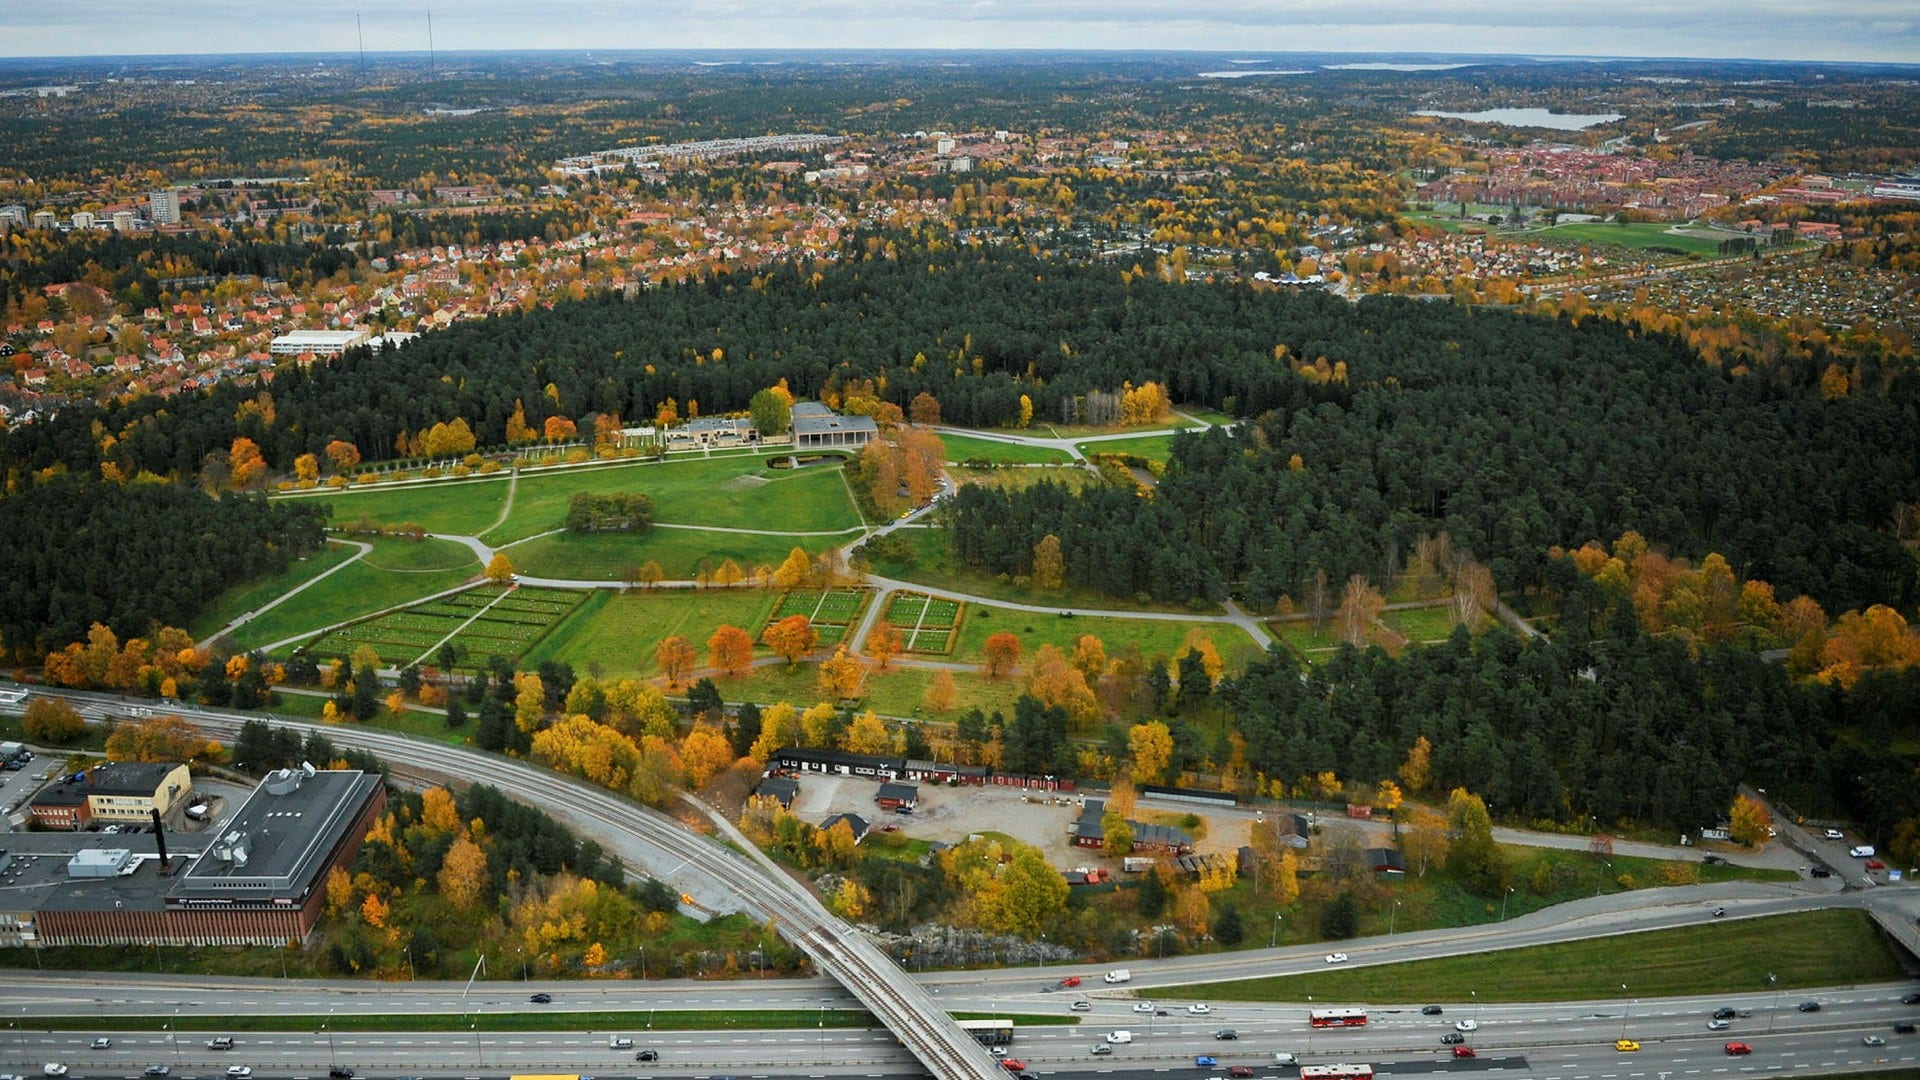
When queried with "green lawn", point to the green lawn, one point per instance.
{"points": [[968, 447], [933, 565], [1420, 624], [680, 552], [249, 595], [1081, 431], [462, 507], [363, 588], [1822, 948], [1301, 635], [1151, 447], [734, 492], [898, 691], [1073, 477], [1636, 235], [1155, 638], [618, 631]]}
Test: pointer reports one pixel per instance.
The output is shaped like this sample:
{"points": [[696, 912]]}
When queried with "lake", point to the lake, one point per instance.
{"points": [[1540, 118]]}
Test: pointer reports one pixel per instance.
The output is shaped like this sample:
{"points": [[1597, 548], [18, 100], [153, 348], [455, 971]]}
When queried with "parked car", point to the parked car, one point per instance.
{"points": [[1102, 1049], [541, 999], [1739, 1048], [1836, 834], [1809, 1006], [1820, 871], [1874, 864], [1336, 958], [1464, 1052], [1452, 1038], [1202, 1061], [1226, 1034], [1625, 1045], [1469, 1024], [1431, 1010], [1200, 1009]]}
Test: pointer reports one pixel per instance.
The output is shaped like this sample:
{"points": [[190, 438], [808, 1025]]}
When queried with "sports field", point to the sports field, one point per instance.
{"points": [[1652, 234]]}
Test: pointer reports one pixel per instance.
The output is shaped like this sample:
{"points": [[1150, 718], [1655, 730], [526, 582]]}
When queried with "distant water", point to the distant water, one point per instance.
{"points": [[1244, 73], [1540, 118], [1382, 66]]}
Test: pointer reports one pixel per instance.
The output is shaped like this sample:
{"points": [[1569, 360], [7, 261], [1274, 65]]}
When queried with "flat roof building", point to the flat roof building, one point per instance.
{"points": [[316, 342], [816, 427], [125, 791]]}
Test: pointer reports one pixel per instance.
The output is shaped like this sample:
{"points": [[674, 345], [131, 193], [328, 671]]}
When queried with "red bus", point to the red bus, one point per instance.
{"points": [[1336, 1072], [1338, 1018]]}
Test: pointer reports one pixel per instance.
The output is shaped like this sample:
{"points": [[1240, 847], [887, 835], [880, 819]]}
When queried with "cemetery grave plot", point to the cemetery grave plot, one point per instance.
{"points": [[833, 612], [928, 624], [507, 623]]}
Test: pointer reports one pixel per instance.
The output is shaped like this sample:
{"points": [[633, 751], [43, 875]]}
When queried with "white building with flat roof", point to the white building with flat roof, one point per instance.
{"points": [[316, 342]]}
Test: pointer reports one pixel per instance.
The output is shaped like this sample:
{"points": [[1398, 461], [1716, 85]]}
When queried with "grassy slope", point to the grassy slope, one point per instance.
{"points": [[695, 492], [1154, 638], [249, 595], [1823, 948], [619, 631], [963, 447], [679, 552], [387, 576], [934, 563], [1151, 447], [448, 506]]}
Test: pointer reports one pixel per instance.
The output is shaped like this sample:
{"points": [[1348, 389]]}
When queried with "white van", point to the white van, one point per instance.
{"points": [[619, 1042], [1864, 851], [1117, 975], [1119, 1038], [1284, 1058]]}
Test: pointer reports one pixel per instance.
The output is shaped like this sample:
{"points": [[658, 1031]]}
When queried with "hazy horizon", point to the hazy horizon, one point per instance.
{"points": [[1867, 31]]}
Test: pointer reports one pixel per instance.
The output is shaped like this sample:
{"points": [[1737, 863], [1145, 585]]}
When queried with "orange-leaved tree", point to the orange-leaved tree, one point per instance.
{"points": [[792, 637], [730, 649]]}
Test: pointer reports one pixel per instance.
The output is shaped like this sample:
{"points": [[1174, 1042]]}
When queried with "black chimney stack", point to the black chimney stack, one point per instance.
{"points": [[160, 838]]}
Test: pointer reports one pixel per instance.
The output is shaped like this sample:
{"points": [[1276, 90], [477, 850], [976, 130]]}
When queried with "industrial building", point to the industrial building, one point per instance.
{"points": [[123, 792], [316, 342]]}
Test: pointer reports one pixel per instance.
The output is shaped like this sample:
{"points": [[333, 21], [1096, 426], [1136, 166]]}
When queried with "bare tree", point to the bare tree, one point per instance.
{"points": [[1473, 594], [1360, 607]]}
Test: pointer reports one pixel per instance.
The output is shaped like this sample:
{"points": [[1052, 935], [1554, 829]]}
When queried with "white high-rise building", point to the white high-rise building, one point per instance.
{"points": [[83, 219], [13, 215], [164, 207]]}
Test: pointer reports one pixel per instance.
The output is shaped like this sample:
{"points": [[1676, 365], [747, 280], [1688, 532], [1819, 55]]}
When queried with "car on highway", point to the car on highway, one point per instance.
{"points": [[1336, 958], [1070, 981], [1468, 1024], [339, 1072], [1199, 1009], [1739, 1048], [1161, 1012], [1873, 1040], [1724, 1012], [1202, 1061], [1102, 1049], [1836, 834], [1012, 1064], [1719, 1025], [541, 999], [1903, 1027], [1809, 1006], [1284, 1058], [1240, 1071], [1143, 1006], [647, 1055], [1226, 1035], [102, 1043], [1464, 1052], [1910, 999], [53, 1068], [156, 1070], [239, 1072], [1625, 1045], [1431, 1010], [1452, 1038], [1874, 864], [1083, 1006], [1719, 913], [220, 1042], [1820, 871]]}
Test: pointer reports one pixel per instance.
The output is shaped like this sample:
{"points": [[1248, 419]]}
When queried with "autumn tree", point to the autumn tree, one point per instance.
{"points": [[1002, 651], [518, 432], [941, 693], [884, 642], [841, 674], [1049, 570], [1424, 842], [675, 658], [1151, 747], [1116, 834], [529, 700], [1055, 682], [924, 409], [1473, 852], [1750, 819], [52, 721], [1416, 772], [868, 735], [792, 637], [160, 738], [794, 572], [306, 468], [463, 878], [1474, 596], [343, 454], [244, 463], [706, 754], [559, 429], [500, 568], [1090, 658], [730, 650]]}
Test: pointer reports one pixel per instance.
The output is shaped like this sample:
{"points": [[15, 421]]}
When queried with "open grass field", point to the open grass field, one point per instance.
{"points": [[462, 507], [968, 447], [680, 552], [732, 492], [1420, 624], [1301, 636], [1822, 948], [249, 595], [898, 691], [1073, 477], [1151, 447], [1637, 235], [1081, 431], [934, 566], [1034, 630], [616, 632], [364, 587]]}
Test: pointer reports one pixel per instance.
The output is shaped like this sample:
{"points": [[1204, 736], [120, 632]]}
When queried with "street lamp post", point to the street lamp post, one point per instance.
{"points": [[1773, 982], [1503, 903], [1274, 938], [1392, 916], [1626, 1012], [1309, 1023], [643, 963], [332, 1058]]}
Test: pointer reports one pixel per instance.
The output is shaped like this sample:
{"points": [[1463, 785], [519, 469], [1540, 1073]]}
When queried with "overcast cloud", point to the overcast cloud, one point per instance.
{"points": [[1880, 30]]}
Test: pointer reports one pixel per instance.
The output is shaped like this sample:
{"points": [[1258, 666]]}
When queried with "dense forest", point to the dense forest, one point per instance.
{"points": [[75, 551], [1377, 422]]}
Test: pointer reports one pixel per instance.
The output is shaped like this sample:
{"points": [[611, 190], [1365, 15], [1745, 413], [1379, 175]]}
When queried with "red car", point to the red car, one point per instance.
{"points": [[1739, 1048], [1241, 1071], [1876, 864], [1464, 1051], [1071, 980], [1012, 1064]]}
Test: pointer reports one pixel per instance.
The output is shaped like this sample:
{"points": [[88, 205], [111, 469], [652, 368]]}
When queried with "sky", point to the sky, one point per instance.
{"points": [[1863, 30]]}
